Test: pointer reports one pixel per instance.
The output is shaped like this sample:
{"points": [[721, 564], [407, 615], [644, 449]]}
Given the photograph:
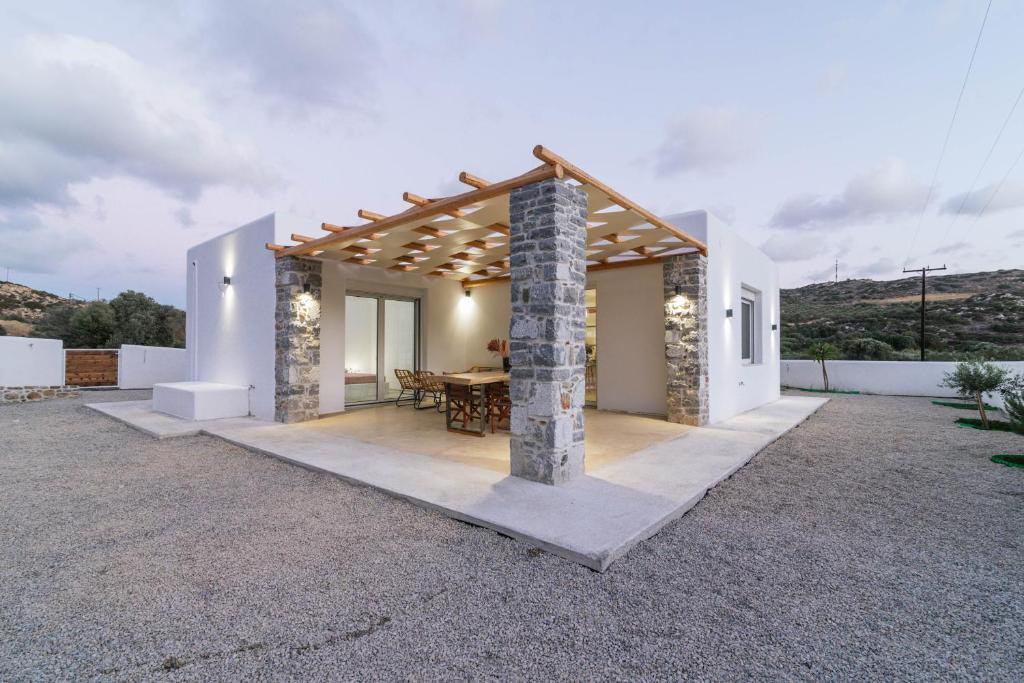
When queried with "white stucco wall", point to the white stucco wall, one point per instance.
{"points": [[230, 335], [889, 378], [31, 362], [140, 367], [736, 386]]}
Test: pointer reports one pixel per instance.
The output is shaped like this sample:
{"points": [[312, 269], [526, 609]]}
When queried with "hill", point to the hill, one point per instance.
{"points": [[968, 314], [22, 307]]}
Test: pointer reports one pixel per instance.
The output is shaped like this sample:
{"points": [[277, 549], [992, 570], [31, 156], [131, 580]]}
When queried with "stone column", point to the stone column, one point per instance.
{"points": [[548, 239], [686, 338], [297, 337]]}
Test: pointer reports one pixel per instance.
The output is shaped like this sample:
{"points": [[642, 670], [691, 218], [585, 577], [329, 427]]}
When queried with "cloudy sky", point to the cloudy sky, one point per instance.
{"points": [[130, 131]]}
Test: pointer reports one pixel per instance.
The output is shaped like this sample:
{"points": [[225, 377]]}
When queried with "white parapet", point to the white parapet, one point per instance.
{"points": [[201, 400]]}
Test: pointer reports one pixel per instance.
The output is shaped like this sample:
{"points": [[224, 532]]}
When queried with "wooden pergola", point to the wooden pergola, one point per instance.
{"points": [[466, 237]]}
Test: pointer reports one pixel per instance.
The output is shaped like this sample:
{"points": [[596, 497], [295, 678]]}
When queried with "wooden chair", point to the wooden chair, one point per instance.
{"points": [[408, 381], [499, 405], [430, 384], [464, 402]]}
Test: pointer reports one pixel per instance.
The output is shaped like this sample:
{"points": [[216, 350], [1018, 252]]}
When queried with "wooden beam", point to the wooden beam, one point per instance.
{"points": [[356, 249], [500, 228], [419, 246], [370, 215], [582, 176], [328, 227], [497, 280], [608, 265], [424, 213], [359, 261], [428, 230], [612, 237], [423, 201], [296, 237], [472, 180], [403, 268], [274, 247], [644, 251]]}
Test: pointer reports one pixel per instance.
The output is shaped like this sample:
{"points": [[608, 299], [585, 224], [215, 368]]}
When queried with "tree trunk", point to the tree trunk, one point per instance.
{"points": [[824, 375], [981, 408]]}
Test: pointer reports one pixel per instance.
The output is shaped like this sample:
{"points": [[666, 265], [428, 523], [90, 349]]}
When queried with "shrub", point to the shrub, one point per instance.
{"points": [[974, 379], [1013, 402], [867, 349]]}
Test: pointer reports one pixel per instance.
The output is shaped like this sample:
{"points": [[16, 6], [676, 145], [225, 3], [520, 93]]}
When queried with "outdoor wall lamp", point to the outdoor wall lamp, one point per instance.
{"points": [[774, 327], [728, 313], [679, 290], [469, 292], [225, 283], [305, 288]]}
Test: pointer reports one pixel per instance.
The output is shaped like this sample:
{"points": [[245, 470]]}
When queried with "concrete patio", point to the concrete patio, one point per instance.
{"points": [[593, 520]]}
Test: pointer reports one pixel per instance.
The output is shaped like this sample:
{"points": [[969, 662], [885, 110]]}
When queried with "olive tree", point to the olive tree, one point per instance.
{"points": [[974, 379], [821, 352], [1013, 401]]}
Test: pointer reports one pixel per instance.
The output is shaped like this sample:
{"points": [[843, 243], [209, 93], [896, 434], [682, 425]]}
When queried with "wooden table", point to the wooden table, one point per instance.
{"points": [[471, 379]]}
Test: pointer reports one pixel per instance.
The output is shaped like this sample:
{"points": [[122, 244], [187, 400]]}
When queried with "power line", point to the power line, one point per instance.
{"points": [[988, 156], [949, 131], [992, 196]]}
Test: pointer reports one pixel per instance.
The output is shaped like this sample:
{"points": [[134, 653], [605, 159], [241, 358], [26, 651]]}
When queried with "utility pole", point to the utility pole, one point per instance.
{"points": [[837, 271], [924, 274]]}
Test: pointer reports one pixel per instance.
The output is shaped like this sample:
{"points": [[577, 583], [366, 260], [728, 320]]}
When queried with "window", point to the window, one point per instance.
{"points": [[750, 326]]}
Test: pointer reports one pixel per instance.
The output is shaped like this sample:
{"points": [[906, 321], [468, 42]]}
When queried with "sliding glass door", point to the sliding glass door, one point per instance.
{"points": [[381, 336]]}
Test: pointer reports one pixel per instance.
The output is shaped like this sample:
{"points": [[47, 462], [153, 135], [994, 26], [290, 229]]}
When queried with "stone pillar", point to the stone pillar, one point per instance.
{"points": [[686, 338], [548, 240], [297, 340]]}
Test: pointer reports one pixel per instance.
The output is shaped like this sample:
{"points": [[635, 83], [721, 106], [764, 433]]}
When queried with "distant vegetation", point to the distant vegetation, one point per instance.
{"points": [[974, 315], [129, 318]]}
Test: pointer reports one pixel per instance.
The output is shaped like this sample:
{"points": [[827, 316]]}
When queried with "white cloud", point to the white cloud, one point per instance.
{"points": [[704, 139], [790, 247], [1010, 196], [312, 53], [31, 246], [953, 248], [74, 109], [886, 191]]}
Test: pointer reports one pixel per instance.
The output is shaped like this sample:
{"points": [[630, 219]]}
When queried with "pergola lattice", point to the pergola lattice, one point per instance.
{"points": [[466, 237]]}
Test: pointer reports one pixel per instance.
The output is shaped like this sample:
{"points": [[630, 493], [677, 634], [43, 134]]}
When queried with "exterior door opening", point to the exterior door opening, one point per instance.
{"points": [[381, 336]]}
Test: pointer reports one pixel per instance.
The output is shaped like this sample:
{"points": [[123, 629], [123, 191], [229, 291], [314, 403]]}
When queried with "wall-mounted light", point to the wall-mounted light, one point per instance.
{"points": [[225, 283], [679, 290], [305, 288], [774, 327], [468, 293], [728, 313]]}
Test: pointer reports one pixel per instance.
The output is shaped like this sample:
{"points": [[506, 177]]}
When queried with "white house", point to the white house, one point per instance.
{"points": [[606, 307]]}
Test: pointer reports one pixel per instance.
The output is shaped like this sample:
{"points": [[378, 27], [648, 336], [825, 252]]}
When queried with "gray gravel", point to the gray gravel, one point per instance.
{"points": [[875, 541]]}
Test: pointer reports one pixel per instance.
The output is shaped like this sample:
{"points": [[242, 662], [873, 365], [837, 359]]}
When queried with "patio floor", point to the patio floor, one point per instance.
{"points": [[609, 436], [594, 520]]}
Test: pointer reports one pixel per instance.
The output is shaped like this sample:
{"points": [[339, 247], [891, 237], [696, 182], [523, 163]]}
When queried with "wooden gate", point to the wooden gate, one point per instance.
{"points": [[90, 367]]}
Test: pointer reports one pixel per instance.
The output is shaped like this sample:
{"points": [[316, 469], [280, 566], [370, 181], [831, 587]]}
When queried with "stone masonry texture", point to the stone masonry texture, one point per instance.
{"points": [[548, 225], [297, 337], [35, 393], [686, 338]]}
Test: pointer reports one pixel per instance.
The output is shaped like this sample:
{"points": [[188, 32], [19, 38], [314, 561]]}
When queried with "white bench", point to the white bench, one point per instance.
{"points": [[201, 400]]}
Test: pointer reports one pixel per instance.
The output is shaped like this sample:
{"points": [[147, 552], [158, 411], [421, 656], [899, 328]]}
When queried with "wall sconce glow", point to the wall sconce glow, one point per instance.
{"points": [[728, 313], [225, 283]]}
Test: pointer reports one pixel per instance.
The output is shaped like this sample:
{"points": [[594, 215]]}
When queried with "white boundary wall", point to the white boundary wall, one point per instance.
{"points": [[31, 362], [140, 367], [889, 378]]}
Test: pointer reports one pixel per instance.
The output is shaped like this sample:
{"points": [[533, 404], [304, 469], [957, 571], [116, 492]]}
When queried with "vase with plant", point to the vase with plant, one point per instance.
{"points": [[500, 347]]}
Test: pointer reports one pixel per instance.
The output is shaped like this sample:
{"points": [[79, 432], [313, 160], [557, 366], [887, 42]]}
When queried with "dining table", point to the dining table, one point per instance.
{"points": [[483, 380]]}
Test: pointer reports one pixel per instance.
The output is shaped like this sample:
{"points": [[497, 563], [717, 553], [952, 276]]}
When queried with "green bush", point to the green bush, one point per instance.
{"points": [[867, 349], [1013, 402]]}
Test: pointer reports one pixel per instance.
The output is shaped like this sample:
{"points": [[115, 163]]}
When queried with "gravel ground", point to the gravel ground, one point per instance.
{"points": [[874, 541]]}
